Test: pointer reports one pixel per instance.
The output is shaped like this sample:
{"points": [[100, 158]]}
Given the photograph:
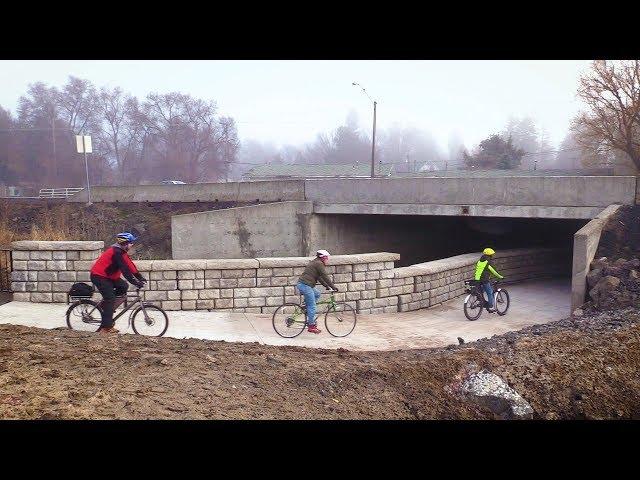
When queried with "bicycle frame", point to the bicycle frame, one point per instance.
{"points": [[331, 302], [128, 306], [475, 289]]}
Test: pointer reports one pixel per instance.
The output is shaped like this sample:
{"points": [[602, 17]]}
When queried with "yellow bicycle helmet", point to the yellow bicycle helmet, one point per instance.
{"points": [[489, 251]]}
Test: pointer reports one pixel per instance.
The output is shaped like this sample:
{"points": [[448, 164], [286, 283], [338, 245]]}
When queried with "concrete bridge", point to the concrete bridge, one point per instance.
{"points": [[517, 197], [578, 197], [420, 218]]}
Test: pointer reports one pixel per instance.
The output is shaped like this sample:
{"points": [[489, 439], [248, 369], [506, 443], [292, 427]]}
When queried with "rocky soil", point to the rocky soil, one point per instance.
{"points": [[579, 368], [614, 279]]}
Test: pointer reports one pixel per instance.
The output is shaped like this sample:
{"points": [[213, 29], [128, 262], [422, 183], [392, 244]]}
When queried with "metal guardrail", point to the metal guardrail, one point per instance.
{"points": [[58, 192]]}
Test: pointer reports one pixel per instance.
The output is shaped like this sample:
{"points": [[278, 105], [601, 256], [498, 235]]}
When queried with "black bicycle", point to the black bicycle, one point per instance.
{"points": [[85, 314], [475, 301]]}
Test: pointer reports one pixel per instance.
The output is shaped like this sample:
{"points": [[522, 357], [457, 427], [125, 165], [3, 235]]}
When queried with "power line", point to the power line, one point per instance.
{"points": [[34, 129]]}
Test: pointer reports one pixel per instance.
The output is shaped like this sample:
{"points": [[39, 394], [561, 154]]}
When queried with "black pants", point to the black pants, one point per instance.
{"points": [[109, 289]]}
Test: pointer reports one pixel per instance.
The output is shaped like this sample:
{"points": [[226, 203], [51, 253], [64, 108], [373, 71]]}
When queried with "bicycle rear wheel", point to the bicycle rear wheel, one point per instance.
{"points": [[151, 321], [340, 321], [289, 320], [473, 306], [84, 316], [502, 301]]}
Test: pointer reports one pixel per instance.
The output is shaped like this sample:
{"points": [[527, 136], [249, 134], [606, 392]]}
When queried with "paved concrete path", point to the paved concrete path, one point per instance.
{"points": [[531, 303]]}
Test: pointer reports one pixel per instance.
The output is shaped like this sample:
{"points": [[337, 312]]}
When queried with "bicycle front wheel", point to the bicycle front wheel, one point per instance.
{"points": [[473, 306], [289, 320], [84, 316], [502, 302], [341, 320], [151, 321]]}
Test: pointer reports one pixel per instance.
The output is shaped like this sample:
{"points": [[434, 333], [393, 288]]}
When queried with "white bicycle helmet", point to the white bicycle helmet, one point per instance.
{"points": [[322, 253]]}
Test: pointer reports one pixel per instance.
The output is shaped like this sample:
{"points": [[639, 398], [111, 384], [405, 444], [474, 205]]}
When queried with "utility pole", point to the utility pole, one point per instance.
{"points": [[373, 139], [53, 142], [373, 143]]}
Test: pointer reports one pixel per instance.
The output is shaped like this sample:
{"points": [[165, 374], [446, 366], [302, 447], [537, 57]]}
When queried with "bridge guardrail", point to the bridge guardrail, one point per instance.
{"points": [[58, 192]]}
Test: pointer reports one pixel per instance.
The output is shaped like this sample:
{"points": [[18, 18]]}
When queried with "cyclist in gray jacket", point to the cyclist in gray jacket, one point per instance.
{"points": [[314, 273]]}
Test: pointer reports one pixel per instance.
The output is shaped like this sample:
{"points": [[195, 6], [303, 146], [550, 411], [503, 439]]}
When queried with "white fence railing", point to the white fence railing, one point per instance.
{"points": [[58, 192]]}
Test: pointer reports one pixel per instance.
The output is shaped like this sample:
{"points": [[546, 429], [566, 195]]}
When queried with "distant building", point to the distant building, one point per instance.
{"points": [[11, 191], [284, 171], [429, 167]]}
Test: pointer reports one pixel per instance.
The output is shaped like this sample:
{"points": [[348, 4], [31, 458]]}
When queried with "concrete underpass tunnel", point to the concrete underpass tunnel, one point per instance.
{"points": [[419, 238]]}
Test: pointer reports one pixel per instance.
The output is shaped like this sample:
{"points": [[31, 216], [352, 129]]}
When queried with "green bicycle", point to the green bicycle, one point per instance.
{"points": [[290, 319]]}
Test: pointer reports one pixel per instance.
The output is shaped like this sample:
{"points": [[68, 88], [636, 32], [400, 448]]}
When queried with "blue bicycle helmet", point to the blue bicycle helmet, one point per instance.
{"points": [[126, 237]]}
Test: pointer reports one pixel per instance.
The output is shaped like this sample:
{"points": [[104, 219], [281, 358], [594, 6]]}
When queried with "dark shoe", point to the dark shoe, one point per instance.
{"points": [[314, 329], [105, 331], [491, 310]]}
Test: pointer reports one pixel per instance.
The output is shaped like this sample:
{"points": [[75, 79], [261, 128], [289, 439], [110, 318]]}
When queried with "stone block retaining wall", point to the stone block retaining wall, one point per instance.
{"points": [[428, 284], [44, 272]]}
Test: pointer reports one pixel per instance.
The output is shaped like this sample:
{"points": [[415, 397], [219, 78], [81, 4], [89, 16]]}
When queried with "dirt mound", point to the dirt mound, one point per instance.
{"points": [[614, 279], [621, 236], [576, 368], [613, 284]]}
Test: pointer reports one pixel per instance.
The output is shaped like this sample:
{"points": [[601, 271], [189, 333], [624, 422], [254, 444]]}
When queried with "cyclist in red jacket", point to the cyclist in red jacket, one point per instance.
{"points": [[106, 276]]}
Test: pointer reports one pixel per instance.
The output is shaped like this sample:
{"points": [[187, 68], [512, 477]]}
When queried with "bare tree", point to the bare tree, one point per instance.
{"points": [[186, 136], [455, 147], [119, 136], [39, 109], [222, 151], [319, 151], [409, 149], [78, 101], [611, 92], [203, 134], [162, 116]]}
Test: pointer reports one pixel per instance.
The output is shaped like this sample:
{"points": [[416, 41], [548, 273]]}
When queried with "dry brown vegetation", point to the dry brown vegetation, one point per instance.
{"points": [[66, 221]]}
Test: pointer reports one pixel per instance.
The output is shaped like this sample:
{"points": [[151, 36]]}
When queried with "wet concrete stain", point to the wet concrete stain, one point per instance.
{"points": [[303, 222], [244, 241]]}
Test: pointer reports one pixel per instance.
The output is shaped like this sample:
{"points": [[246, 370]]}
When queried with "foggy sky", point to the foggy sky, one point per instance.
{"points": [[290, 102]]}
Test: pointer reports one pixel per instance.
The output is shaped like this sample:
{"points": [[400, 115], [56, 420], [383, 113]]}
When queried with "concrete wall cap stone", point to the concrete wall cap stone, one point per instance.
{"points": [[271, 262], [462, 261], [56, 246], [231, 263]]}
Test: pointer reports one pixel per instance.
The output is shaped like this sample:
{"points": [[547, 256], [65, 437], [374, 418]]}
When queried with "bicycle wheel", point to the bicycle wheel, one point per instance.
{"points": [[151, 321], [84, 316], [340, 321], [289, 320], [473, 306], [502, 301]]}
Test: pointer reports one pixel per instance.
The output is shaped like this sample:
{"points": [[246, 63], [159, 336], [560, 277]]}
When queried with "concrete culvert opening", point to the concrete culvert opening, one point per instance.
{"points": [[419, 238]]}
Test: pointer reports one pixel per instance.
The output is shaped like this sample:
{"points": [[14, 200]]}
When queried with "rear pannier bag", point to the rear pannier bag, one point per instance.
{"points": [[81, 290]]}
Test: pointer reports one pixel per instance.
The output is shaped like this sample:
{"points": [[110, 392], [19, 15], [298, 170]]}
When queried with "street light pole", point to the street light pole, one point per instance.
{"points": [[373, 142], [373, 137]]}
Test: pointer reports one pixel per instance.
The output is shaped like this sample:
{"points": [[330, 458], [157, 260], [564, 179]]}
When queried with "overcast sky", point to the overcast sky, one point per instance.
{"points": [[290, 102]]}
